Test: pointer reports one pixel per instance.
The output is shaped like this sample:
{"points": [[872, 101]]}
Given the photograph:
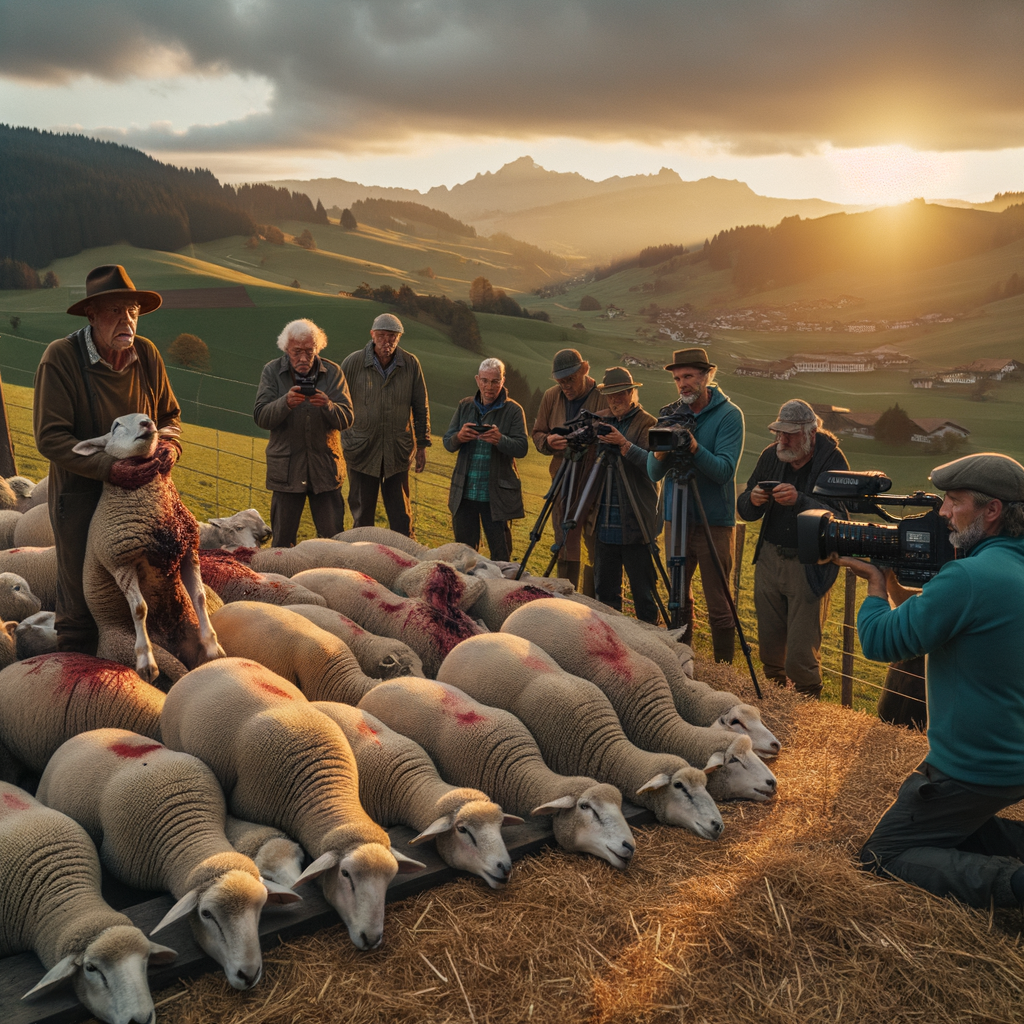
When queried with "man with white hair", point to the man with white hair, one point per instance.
{"points": [[392, 422], [489, 433], [791, 600], [303, 401]]}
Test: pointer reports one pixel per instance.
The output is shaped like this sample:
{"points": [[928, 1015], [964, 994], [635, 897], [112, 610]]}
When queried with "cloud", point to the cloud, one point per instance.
{"points": [[755, 76]]}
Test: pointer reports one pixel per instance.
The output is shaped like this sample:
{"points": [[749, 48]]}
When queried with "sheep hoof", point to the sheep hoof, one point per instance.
{"points": [[146, 667]]}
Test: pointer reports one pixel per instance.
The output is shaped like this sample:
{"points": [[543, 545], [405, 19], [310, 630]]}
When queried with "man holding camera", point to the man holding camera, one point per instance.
{"points": [[942, 833], [489, 434], [791, 600], [714, 450], [574, 391], [303, 401]]}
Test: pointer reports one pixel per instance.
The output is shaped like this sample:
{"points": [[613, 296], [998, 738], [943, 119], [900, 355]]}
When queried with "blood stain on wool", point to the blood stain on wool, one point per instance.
{"points": [[396, 556], [15, 802], [455, 707], [218, 569], [536, 664], [242, 554], [524, 595], [605, 644], [443, 589], [367, 730], [93, 673], [133, 750]]}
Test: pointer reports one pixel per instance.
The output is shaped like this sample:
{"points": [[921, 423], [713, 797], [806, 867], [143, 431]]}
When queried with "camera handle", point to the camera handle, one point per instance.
{"points": [[562, 481]]}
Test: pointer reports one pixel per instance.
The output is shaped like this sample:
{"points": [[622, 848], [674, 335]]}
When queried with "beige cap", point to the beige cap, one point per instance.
{"points": [[388, 322], [794, 416], [996, 475]]}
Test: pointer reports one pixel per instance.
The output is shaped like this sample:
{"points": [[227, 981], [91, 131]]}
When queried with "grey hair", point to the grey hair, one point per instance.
{"points": [[1011, 522], [492, 364], [709, 374], [302, 329]]}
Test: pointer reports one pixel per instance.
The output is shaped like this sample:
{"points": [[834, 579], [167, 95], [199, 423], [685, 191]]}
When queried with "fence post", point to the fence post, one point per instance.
{"points": [[7, 464], [737, 564], [849, 617]]}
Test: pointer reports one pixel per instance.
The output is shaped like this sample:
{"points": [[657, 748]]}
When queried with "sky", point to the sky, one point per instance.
{"points": [[854, 101]]}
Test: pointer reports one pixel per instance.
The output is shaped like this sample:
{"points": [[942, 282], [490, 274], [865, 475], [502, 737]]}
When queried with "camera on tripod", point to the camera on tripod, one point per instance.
{"points": [[674, 430], [582, 431], [915, 547]]}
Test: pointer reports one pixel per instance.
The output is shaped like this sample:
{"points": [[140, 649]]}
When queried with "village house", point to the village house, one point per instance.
{"points": [[862, 424], [779, 369], [995, 369]]}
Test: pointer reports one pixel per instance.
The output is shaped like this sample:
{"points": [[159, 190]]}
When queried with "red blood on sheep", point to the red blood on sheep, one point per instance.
{"points": [[443, 588], [367, 730], [133, 750], [218, 569], [446, 628], [396, 556], [535, 664], [15, 802], [94, 674], [605, 644], [243, 554], [368, 594], [387, 606], [452, 704], [524, 595], [271, 688], [173, 539]]}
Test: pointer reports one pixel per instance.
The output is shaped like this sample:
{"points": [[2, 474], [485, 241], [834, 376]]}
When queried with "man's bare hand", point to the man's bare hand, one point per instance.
{"points": [[319, 398], [784, 494], [492, 435], [758, 497], [421, 459], [556, 442], [466, 434], [866, 571], [294, 397]]}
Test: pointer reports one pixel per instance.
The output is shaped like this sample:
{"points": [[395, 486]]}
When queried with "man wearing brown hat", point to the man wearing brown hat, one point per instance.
{"points": [[791, 600], [574, 391], [715, 450], [942, 832], [83, 383]]}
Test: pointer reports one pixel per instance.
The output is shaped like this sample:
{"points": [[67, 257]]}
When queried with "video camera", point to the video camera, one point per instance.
{"points": [[915, 547], [674, 430], [581, 432]]}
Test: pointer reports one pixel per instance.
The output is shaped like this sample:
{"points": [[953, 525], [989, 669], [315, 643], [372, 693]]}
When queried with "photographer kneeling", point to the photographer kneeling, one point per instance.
{"points": [[942, 833]]}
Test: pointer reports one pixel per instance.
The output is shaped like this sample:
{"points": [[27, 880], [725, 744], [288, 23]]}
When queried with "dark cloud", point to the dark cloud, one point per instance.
{"points": [[757, 75]]}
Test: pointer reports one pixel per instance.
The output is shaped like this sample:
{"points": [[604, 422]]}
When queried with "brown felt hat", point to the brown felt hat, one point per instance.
{"points": [[996, 475], [616, 380], [113, 280], [696, 357]]}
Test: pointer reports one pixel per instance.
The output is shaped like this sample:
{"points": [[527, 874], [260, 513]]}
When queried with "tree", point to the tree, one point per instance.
{"points": [[348, 222], [295, 283], [274, 235], [306, 240], [253, 242], [15, 323], [481, 294], [465, 332], [190, 351], [894, 426], [51, 280], [588, 304]]}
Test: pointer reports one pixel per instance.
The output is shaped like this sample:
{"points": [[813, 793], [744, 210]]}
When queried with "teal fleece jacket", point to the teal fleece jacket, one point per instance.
{"points": [[719, 434], [969, 620]]}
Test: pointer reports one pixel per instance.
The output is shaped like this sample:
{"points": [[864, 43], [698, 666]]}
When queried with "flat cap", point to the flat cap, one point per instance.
{"points": [[996, 475], [388, 322], [794, 416], [566, 362]]}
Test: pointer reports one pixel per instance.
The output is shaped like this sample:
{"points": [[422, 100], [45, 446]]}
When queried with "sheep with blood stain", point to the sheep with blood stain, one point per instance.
{"points": [[500, 598], [232, 580]]}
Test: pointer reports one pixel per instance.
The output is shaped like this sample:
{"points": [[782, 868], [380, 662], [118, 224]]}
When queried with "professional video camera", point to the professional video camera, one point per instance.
{"points": [[674, 429], [915, 547], [581, 432]]}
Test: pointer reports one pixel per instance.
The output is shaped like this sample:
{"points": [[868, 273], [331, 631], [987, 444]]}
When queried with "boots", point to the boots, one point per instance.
{"points": [[569, 571], [724, 643]]}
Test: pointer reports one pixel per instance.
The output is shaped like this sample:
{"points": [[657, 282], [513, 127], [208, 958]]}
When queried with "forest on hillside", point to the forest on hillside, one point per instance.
{"points": [[395, 215]]}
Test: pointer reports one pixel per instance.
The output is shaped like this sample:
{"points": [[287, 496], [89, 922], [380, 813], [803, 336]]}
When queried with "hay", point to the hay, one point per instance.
{"points": [[771, 924]]}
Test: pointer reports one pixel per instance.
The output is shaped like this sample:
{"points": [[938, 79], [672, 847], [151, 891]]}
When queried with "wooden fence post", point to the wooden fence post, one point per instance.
{"points": [[737, 561], [8, 467], [849, 617]]}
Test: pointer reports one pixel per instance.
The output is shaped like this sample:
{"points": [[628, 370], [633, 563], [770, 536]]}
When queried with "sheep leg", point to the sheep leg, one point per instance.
{"points": [[145, 661], [193, 584]]}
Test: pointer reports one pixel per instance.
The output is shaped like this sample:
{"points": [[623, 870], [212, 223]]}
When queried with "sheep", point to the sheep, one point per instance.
{"points": [[439, 584], [316, 661], [285, 561], [232, 580], [8, 497], [9, 519], [380, 657], [399, 785], [35, 635], [141, 561], [244, 529], [577, 730], [50, 882], [157, 816], [583, 644], [37, 566], [17, 602], [29, 494], [47, 700], [8, 646], [278, 856], [33, 530], [283, 763], [500, 598], [430, 632], [379, 535], [489, 749]]}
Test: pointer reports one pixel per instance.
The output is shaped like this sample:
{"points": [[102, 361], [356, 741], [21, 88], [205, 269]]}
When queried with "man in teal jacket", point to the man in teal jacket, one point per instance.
{"points": [[716, 447], [942, 833]]}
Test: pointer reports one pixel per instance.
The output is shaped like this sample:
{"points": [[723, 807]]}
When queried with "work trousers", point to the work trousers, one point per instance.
{"points": [[466, 527], [363, 489], [70, 515], [327, 509], [610, 560], [789, 621], [698, 555], [942, 835]]}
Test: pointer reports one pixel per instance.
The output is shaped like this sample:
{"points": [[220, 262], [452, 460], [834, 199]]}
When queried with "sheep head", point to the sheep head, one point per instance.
{"points": [[134, 435], [591, 821], [736, 773], [746, 720], [681, 798]]}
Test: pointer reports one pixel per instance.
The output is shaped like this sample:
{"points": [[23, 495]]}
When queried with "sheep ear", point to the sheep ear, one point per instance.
{"points": [[92, 446], [216, 522], [511, 819], [279, 894], [563, 803], [658, 782], [715, 761], [323, 863], [160, 954], [11, 628], [435, 828], [406, 865], [169, 431], [56, 975], [181, 909]]}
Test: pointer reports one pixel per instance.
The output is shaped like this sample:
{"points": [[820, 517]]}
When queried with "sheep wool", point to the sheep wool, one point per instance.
{"points": [[33, 530], [489, 749], [278, 857], [232, 580], [379, 535], [282, 561], [9, 518], [500, 598], [38, 567], [17, 602], [440, 585]]}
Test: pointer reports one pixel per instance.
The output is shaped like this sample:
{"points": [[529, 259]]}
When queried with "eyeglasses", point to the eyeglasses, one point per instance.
{"points": [[489, 381], [110, 312]]}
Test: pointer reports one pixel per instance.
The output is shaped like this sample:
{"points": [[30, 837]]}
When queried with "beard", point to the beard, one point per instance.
{"points": [[689, 399], [965, 539], [795, 453]]}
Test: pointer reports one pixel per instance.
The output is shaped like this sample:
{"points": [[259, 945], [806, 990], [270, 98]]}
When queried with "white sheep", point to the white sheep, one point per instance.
{"points": [[157, 816], [9, 519], [379, 535], [501, 597], [293, 647], [141, 571], [283, 763], [583, 644], [232, 580], [428, 630], [489, 749], [8, 646], [283, 561], [277, 855], [380, 657], [577, 729], [17, 601], [51, 903], [440, 584], [38, 566], [245, 529], [27, 493], [33, 530], [399, 785], [36, 634], [8, 497]]}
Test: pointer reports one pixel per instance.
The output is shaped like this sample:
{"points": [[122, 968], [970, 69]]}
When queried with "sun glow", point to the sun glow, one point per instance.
{"points": [[893, 174]]}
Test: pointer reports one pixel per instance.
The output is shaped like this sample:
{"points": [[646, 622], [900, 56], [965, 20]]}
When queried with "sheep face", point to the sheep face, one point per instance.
{"points": [[746, 720], [132, 436], [245, 529], [737, 773], [17, 601], [470, 840], [592, 822], [682, 799], [36, 635]]}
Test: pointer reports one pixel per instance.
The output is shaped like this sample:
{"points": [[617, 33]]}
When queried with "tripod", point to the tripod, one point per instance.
{"points": [[562, 486]]}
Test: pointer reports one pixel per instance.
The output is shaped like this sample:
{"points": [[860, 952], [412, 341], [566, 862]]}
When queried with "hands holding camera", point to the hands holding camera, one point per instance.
{"points": [[477, 432], [297, 395], [611, 436], [784, 494]]}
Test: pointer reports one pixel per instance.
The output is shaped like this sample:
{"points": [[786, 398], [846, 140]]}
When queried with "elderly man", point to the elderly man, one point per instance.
{"points": [[489, 434], [574, 391], [83, 383], [942, 832], [303, 401], [791, 600], [619, 534], [392, 421], [715, 449]]}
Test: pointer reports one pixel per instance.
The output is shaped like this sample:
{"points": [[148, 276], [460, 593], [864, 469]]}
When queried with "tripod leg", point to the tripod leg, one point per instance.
{"points": [[582, 509], [545, 512]]}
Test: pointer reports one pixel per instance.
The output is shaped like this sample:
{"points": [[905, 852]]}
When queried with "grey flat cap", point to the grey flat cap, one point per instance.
{"points": [[996, 475], [794, 416], [388, 322], [566, 362]]}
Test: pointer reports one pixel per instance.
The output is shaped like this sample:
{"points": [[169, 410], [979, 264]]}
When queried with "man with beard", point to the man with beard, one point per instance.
{"points": [[791, 600], [941, 833]]}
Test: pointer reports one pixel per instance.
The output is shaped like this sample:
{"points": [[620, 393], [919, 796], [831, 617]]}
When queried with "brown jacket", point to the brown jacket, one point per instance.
{"points": [[389, 413], [552, 414]]}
